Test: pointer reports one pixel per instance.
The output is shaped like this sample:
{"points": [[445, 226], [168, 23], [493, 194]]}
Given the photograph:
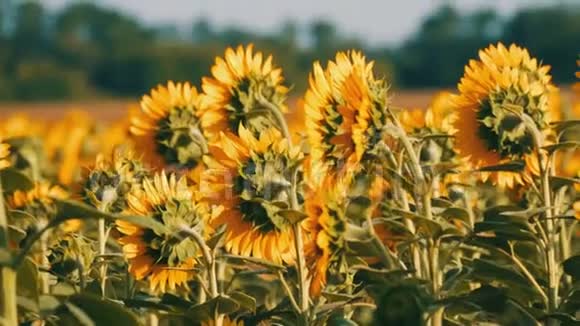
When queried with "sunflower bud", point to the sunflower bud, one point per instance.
{"points": [[107, 185]]}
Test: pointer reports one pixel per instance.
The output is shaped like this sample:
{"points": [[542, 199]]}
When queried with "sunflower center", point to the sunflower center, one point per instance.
{"points": [[179, 138], [170, 248], [244, 106], [262, 187], [502, 130]]}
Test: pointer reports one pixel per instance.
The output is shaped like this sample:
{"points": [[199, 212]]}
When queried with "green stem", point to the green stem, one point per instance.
{"points": [[424, 190], [550, 251], [102, 252], [7, 273], [298, 238]]}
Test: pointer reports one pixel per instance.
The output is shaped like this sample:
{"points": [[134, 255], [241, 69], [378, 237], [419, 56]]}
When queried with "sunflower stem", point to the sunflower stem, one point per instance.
{"points": [[550, 250], [425, 191], [208, 259], [298, 238], [102, 251], [7, 273]]}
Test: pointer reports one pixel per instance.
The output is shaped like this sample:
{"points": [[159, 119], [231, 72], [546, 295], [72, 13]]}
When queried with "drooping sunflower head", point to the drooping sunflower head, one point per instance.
{"points": [[36, 206], [344, 108], [112, 179], [251, 179], [502, 82], [165, 257], [233, 94], [167, 128], [325, 227]]}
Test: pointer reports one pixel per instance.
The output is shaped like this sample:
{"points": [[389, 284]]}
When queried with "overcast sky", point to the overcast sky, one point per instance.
{"points": [[377, 21]]}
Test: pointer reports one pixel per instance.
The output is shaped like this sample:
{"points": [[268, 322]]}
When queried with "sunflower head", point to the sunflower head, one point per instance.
{"points": [[166, 257], [344, 108], [167, 128], [493, 93], [250, 178], [325, 226], [240, 82], [37, 202], [112, 179]]}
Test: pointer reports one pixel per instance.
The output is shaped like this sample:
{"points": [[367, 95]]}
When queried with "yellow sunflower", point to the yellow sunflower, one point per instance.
{"points": [[36, 206], [412, 119], [21, 125], [167, 129], [325, 227], [66, 144], [240, 80], [488, 132], [166, 259], [249, 178], [344, 109]]}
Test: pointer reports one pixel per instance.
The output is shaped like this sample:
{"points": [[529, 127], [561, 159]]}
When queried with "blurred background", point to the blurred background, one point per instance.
{"points": [[58, 52]]}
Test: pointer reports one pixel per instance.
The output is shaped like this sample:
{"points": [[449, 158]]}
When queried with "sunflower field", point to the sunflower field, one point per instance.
{"points": [[232, 203]]}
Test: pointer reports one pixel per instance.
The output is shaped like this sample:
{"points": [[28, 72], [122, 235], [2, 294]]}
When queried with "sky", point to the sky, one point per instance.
{"points": [[377, 21]]}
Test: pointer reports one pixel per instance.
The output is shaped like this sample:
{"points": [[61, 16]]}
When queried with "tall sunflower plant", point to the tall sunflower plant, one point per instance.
{"points": [[218, 205]]}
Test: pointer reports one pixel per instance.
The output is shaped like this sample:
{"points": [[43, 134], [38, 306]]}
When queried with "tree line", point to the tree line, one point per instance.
{"points": [[85, 50]]}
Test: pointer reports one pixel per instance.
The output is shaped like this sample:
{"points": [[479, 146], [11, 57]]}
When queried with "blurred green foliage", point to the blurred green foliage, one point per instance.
{"points": [[87, 51]]}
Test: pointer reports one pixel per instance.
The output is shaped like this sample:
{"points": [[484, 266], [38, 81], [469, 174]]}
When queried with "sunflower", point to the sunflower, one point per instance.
{"points": [[4, 155], [106, 185], [488, 132], [325, 227], [21, 125], [167, 128], [67, 144], [344, 108], [37, 206], [164, 257], [240, 81], [249, 178], [412, 119]]}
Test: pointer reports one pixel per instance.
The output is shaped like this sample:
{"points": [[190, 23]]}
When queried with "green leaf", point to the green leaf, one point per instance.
{"points": [[70, 209], [572, 266], [5, 257], [487, 271], [99, 311], [205, 311], [27, 280], [562, 146], [514, 166], [455, 213], [506, 231], [245, 301], [560, 126], [292, 216], [81, 317], [245, 260], [48, 304], [559, 182], [12, 180]]}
